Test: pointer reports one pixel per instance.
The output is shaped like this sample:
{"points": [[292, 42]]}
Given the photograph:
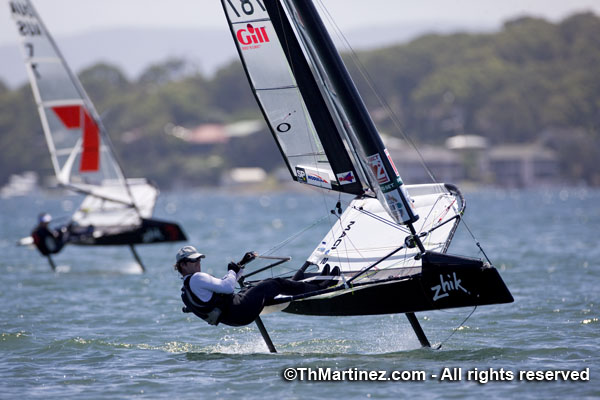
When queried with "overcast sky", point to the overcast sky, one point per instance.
{"points": [[65, 17]]}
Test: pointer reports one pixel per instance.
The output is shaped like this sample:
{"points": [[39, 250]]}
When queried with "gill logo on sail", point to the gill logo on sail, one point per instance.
{"points": [[251, 37], [446, 286]]}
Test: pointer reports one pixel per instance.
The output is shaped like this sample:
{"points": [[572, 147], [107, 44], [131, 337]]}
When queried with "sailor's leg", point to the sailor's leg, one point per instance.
{"points": [[51, 261], [247, 305], [292, 287]]}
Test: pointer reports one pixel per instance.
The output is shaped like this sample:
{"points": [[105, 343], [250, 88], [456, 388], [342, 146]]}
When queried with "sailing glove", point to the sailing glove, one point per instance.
{"points": [[234, 267], [249, 256]]}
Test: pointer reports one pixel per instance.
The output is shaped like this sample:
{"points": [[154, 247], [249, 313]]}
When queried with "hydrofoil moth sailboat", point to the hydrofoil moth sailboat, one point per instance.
{"points": [[391, 240], [115, 210]]}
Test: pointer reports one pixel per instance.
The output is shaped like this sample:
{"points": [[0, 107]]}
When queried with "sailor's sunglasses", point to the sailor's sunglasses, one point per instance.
{"points": [[192, 260]]}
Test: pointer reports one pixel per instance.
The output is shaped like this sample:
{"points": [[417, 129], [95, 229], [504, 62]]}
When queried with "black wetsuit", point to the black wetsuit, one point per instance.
{"points": [[242, 308], [247, 304], [47, 241]]}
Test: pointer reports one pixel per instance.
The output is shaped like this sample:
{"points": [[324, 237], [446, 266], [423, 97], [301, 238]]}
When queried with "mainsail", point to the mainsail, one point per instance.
{"points": [[328, 139], [80, 149], [289, 97], [318, 119]]}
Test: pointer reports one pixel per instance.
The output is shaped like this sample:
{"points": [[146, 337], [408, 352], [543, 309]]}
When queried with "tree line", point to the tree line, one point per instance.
{"points": [[533, 81]]}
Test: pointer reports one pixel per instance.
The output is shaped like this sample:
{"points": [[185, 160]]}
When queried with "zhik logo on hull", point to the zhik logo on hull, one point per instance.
{"points": [[251, 36], [450, 284]]}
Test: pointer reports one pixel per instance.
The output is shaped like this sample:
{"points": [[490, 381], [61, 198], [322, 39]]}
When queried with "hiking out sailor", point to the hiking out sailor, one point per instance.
{"points": [[215, 301], [48, 240]]}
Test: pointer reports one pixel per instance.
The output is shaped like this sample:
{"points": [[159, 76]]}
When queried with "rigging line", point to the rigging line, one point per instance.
{"points": [[315, 140], [324, 199], [348, 239], [378, 218], [363, 271], [477, 243], [430, 214], [456, 329], [367, 77], [294, 236], [400, 227], [382, 220]]}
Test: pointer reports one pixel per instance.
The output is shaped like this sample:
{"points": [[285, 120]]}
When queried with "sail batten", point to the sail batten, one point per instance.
{"points": [[61, 103], [34, 60], [276, 88]]}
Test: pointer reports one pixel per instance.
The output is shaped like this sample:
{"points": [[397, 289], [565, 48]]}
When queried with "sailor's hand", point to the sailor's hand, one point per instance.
{"points": [[249, 256], [234, 267]]}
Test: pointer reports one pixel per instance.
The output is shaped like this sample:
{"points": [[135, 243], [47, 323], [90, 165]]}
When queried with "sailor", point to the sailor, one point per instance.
{"points": [[47, 240], [214, 300]]}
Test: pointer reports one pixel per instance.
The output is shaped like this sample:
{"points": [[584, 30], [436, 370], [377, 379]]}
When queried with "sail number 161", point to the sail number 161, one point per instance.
{"points": [[246, 6]]}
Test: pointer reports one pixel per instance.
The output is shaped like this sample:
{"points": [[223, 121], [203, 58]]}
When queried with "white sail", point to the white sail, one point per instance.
{"points": [[79, 146], [290, 99], [98, 212]]}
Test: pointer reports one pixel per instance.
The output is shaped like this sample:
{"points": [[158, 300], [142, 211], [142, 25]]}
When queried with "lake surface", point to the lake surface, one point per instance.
{"points": [[97, 328]]}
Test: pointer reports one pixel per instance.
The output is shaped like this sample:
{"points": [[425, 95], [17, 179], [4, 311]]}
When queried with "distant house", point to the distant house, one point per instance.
{"points": [[20, 185], [463, 158], [524, 165], [445, 164], [469, 158], [243, 176], [473, 153], [210, 134]]}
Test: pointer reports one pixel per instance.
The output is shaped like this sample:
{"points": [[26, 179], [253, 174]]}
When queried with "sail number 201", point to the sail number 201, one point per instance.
{"points": [[246, 7]]}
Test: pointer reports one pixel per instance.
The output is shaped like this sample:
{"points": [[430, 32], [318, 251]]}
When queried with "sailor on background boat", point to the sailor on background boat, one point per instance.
{"points": [[214, 300], [48, 240]]}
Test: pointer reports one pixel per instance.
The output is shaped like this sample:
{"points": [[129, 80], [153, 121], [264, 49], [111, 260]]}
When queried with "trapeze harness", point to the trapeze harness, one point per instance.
{"points": [[211, 310]]}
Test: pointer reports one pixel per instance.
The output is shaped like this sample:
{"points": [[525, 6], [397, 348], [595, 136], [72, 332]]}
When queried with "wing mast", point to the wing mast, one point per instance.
{"points": [[389, 187]]}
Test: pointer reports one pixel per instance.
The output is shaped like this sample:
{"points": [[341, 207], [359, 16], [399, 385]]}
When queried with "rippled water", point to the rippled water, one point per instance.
{"points": [[98, 328]]}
